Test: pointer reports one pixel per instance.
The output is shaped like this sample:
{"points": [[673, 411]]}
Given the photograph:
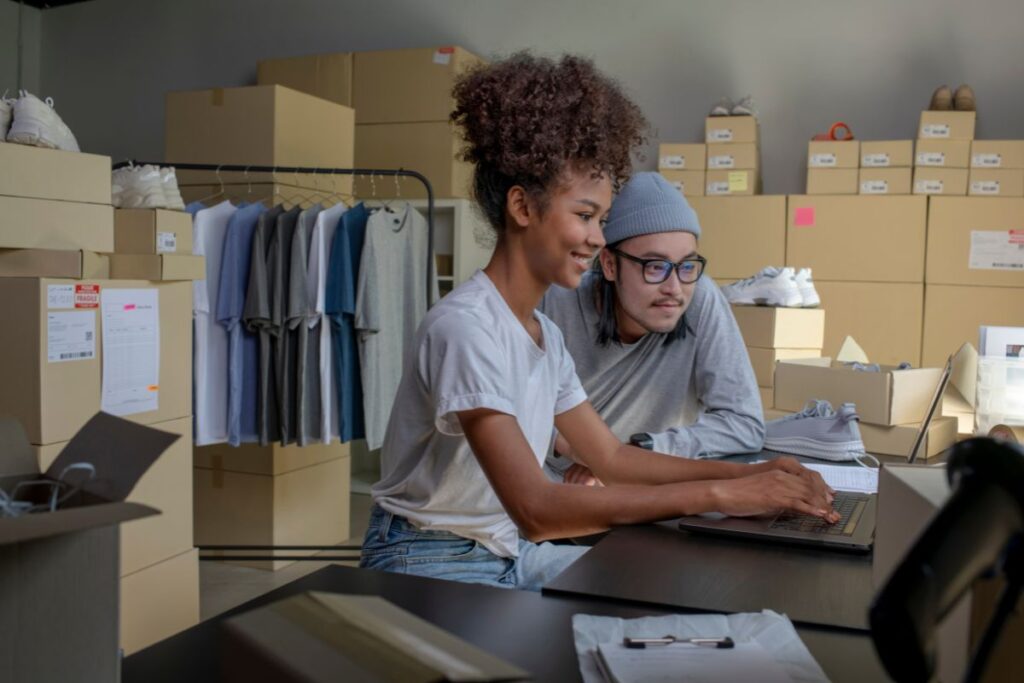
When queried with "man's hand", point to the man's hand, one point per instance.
{"points": [[772, 491], [578, 474], [793, 466]]}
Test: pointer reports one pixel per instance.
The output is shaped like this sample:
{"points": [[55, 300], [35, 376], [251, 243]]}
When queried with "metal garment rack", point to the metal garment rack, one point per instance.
{"points": [[371, 172]]}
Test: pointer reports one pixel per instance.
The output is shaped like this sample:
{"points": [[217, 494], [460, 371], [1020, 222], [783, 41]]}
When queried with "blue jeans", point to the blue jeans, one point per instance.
{"points": [[393, 544]]}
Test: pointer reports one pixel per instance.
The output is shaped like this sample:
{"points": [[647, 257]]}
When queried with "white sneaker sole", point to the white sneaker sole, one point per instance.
{"points": [[813, 448], [790, 301]]}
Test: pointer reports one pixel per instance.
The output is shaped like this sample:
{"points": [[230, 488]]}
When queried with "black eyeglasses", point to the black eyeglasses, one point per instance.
{"points": [[657, 270]]}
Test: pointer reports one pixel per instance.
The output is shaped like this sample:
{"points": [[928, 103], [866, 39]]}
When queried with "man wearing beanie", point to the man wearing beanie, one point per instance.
{"points": [[655, 343]]}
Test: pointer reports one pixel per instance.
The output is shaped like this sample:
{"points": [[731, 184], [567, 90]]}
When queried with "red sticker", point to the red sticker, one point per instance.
{"points": [[87, 296], [803, 216], [446, 50]]}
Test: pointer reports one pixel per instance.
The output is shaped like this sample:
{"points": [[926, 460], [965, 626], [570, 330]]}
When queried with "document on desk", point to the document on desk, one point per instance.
{"points": [[848, 477], [684, 662], [131, 350]]}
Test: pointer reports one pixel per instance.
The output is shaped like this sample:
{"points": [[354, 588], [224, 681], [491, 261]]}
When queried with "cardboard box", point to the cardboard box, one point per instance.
{"points": [[157, 267], [733, 155], [326, 76], [159, 601], [781, 328], [832, 181], [404, 86], [53, 399], [730, 129], [307, 506], [858, 239], [1004, 154], [690, 183], [953, 314], [833, 154], [763, 361], [885, 317], [947, 125], [430, 148], [886, 153], [758, 223], [48, 224], [885, 180], [58, 570], [948, 181], [76, 265], [996, 182], [152, 231], [943, 153], [39, 173], [889, 397], [272, 460], [732, 183], [167, 487], [674, 156], [976, 241], [259, 125], [767, 398], [899, 439]]}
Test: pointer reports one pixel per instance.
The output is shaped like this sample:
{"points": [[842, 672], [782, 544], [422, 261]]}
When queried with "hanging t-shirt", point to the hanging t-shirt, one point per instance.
{"points": [[342, 281], [282, 340], [299, 313], [243, 344], [256, 316], [319, 326], [391, 300], [211, 340]]}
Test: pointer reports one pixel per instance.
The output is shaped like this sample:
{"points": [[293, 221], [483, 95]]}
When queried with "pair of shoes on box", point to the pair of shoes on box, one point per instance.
{"points": [[945, 99], [782, 287], [31, 121], [145, 187], [726, 107]]}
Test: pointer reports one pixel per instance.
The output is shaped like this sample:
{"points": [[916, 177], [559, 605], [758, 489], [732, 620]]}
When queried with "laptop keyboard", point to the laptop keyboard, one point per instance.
{"points": [[850, 507]]}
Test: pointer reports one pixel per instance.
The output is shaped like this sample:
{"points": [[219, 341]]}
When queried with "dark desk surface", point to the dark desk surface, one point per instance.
{"points": [[661, 565], [527, 629]]}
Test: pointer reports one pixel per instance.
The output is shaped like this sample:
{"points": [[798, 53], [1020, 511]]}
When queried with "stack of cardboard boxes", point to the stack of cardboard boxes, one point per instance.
{"points": [[943, 150], [683, 165], [55, 213], [832, 166], [154, 244], [733, 156], [886, 167], [997, 168]]}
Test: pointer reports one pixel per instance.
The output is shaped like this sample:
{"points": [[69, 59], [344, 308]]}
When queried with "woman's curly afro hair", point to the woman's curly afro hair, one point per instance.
{"points": [[526, 119]]}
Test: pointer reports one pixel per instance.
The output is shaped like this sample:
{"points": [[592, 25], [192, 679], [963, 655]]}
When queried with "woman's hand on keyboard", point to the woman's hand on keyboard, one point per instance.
{"points": [[773, 491]]}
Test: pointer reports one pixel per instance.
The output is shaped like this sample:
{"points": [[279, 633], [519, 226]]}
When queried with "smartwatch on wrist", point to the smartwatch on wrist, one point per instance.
{"points": [[642, 440]]}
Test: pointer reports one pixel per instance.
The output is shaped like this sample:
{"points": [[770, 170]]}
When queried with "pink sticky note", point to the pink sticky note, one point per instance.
{"points": [[803, 216]]}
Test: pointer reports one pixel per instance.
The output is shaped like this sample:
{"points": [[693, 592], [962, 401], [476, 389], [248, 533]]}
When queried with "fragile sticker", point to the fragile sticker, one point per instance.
{"points": [[877, 160], [824, 160], [166, 242], [720, 135], [722, 161], [674, 161], [874, 187], [987, 160], [60, 296], [70, 336], [985, 187], [717, 188], [87, 296], [803, 216], [935, 130], [997, 250], [931, 159], [443, 55]]}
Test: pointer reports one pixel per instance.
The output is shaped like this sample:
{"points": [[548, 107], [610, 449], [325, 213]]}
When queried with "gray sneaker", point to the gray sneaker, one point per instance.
{"points": [[817, 431]]}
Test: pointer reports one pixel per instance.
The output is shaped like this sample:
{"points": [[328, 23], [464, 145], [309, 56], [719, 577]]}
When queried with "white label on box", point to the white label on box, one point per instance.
{"points": [[718, 188], [987, 160], [678, 185], [166, 242], [824, 160], [722, 161], [931, 159], [874, 187], [131, 351], [443, 56], [60, 296], [70, 336], [928, 186], [877, 160], [997, 250], [720, 135], [935, 130], [985, 187], [673, 161]]}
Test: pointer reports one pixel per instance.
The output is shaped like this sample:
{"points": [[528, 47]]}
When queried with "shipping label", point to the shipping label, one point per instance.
{"points": [[166, 242], [997, 250], [70, 336], [60, 296], [931, 159], [824, 160], [673, 161], [935, 130], [985, 187], [717, 188], [878, 160], [722, 161], [874, 187], [928, 186], [987, 160], [720, 135]]}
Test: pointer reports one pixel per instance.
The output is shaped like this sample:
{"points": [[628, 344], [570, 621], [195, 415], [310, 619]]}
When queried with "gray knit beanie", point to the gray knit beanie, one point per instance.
{"points": [[649, 204]]}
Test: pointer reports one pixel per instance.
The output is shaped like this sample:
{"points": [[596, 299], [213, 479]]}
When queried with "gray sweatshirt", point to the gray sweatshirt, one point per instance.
{"points": [[697, 397]]}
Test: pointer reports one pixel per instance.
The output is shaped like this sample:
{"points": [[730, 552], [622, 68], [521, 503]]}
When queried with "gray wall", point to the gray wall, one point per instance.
{"points": [[807, 63], [30, 38]]}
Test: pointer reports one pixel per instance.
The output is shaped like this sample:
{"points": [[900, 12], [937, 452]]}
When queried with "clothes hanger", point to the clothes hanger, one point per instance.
{"points": [[218, 192]]}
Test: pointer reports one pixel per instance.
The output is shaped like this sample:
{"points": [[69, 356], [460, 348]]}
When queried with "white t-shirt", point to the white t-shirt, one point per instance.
{"points": [[316, 282], [209, 227], [470, 352]]}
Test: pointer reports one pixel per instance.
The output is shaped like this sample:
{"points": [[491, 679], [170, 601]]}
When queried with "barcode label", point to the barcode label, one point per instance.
{"points": [[823, 160], [931, 159], [70, 336], [166, 242], [996, 250], [935, 130], [720, 135], [721, 161], [879, 160], [673, 161], [985, 187], [928, 187], [718, 188], [987, 160], [874, 187]]}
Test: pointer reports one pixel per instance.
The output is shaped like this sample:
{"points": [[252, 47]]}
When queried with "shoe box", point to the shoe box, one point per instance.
{"points": [[159, 601], [728, 183], [758, 223], [769, 327], [975, 241], [27, 223], [832, 181], [430, 147], [857, 238], [690, 183], [51, 174], [152, 231], [1001, 154], [731, 129], [943, 153], [328, 76], [763, 360], [767, 401], [157, 267], [833, 154], [946, 125], [996, 182], [945, 181], [885, 180], [54, 353], [733, 155], [885, 317], [897, 440], [75, 265], [953, 314], [886, 153], [674, 156]]}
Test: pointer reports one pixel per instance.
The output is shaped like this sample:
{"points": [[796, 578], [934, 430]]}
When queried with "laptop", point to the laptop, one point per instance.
{"points": [[855, 530]]}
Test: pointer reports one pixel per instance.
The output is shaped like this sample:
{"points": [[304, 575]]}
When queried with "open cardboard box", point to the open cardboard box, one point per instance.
{"points": [[59, 571]]}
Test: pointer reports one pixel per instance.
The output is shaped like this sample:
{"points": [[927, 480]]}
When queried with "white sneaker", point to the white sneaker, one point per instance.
{"points": [[771, 287], [6, 114], [169, 181], [722, 107], [807, 290], [36, 123], [140, 188], [745, 107]]}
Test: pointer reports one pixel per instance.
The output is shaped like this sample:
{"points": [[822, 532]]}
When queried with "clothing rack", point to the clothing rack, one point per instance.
{"points": [[314, 170]]}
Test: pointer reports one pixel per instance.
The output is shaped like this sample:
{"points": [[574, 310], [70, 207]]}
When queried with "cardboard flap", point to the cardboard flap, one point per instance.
{"points": [[43, 525], [851, 352], [120, 450], [16, 455], [963, 381]]}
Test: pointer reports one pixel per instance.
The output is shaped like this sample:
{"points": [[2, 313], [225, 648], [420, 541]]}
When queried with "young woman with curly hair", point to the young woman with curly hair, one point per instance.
{"points": [[462, 494]]}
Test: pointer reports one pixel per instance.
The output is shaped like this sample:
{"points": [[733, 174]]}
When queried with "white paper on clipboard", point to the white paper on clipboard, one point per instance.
{"points": [[131, 350]]}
